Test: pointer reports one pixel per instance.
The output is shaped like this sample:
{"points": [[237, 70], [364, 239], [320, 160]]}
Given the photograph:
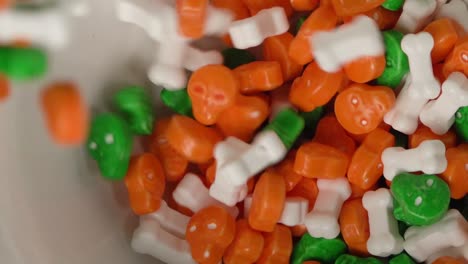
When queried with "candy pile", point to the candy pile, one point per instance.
{"points": [[342, 139]]}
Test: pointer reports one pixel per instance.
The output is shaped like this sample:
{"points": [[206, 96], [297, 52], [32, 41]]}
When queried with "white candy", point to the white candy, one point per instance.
{"points": [[250, 32], [439, 115], [322, 221], [46, 27], [384, 239], [195, 58], [171, 220], [217, 21], [456, 10], [428, 157], [416, 14], [192, 193], [351, 41], [450, 231]]}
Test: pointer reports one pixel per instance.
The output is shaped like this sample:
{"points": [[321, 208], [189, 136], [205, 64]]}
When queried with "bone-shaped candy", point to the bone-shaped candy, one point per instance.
{"points": [[322, 221], [384, 240], [450, 231], [171, 220], [252, 31], [359, 38], [456, 10], [416, 14], [47, 27], [428, 157], [439, 115], [192, 193]]}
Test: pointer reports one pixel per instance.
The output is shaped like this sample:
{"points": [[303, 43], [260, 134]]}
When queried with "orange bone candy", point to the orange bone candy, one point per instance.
{"points": [[424, 133], [354, 226], [286, 169], [243, 118], [456, 174], [366, 166], [448, 260], [457, 60], [174, 164], [315, 160], [65, 113], [276, 48], [278, 246], [145, 182], [192, 15], [256, 6], [192, 140], [307, 189], [267, 201], [445, 35], [209, 233], [365, 69], [331, 133], [361, 107], [4, 87], [322, 19], [315, 88], [212, 90], [259, 76], [345, 8], [304, 5], [246, 247]]}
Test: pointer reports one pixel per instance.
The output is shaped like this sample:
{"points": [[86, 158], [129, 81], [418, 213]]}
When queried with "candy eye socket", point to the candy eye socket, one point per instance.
{"points": [[464, 57], [418, 201], [193, 229], [219, 97], [93, 146], [212, 226], [109, 139], [354, 101], [198, 89]]}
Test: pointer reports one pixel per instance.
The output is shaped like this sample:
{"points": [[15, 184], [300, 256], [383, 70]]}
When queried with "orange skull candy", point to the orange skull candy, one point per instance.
{"points": [[457, 60]]}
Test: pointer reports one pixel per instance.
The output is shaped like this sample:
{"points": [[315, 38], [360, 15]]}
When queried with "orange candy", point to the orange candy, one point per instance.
{"points": [[286, 169], [365, 69], [145, 182], [256, 6], [361, 107], [424, 133], [209, 233], [457, 60], [315, 160], [358, 192], [456, 174], [210, 174], [278, 246], [298, 230], [246, 247], [259, 76], [4, 87], [366, 166], [315, 88], [304, 5], [384, 18], [448, 260], [192, 140], [322, 19], [345, 8], [438, 70], [192, 15], [267, 201], [445, 35], [330, 132], [65, 113], [354, 226], [276, 48], [4, 4], [307, 189], [237, 7]]}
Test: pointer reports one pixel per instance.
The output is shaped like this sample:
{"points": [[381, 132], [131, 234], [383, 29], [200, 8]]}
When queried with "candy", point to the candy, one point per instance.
{"points": [[456, 10], [456, 174], [234, 58], [448, 260], [259, 76], [461, 123], [348, 259], [247, 245], [22, 63], [135, 104], [397, 61], [416, 14], [385, 19], [393, 4], [311, 119], [321, 249], [278, 246], [256, 6], [191, 15], [305, 188], [365, 69], [330, 132], [4, 88], [286, 169], [445, 35], [354, 7], [170, 220], [354, 226], [304, 5], [276, 48], [402, 259], [288, 125], [424, 133], [279, 101], [457, 60], [178, 101]]}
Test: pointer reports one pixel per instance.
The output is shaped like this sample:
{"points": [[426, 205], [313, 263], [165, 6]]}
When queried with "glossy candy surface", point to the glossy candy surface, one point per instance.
{"points": [[135, 104]]}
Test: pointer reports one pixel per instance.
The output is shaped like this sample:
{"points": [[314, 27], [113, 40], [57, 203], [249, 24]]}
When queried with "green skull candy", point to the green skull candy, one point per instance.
{"points": [[419, 199], [349, 259], [135, 104], [320, 249], [288, 125], [179, 101], [22, 63], [397, 61], [110, 144], [393, 5], [461, 123], [402, 259]]}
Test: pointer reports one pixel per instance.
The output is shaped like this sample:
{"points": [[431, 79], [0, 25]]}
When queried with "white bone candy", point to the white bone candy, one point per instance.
{"points": [[250, 32], [171, 220], [423, 241], [428, 157], [359, 38], [439, 115], [168, 69], [218, 21], [322, 221], [195, 58], [150, 238], [456, 10], [384, 239], [416, 15], [46, 27], [192, 193]]}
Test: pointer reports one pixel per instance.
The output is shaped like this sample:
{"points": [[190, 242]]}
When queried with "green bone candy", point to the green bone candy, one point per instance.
{"points": [[135, 104], [234, 58], [397, 62], [419, 199], [311, 119], [179, 101], [288, 125], [110, 144], [349, 259], [461, 123], [393, 5], [22, 63], [320, 249], [402, 259]]}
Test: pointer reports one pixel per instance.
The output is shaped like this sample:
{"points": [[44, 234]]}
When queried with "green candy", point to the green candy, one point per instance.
{"points": [[234, 58], [320, 249], [299, 23], [179, 101], [419, 199], [401, 139], [311, 119], [135, 104], [402, 259], [461, 123], [349, 259], [22, 63], [397, 61], [110, 144], [288, 125], [393, 5]]}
